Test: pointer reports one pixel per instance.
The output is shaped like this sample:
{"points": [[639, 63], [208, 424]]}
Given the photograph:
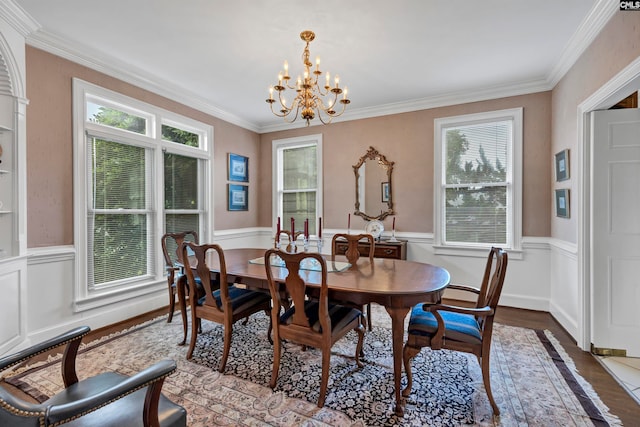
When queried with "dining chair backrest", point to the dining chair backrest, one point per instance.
{"points": [[199, 252], [296, 286], [353, 241], [171, 245], [492, 282]]}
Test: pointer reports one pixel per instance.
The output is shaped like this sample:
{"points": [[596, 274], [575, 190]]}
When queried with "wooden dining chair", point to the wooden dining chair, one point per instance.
{"points": [[460, 328], [222, 302], [353, 254], [310, 322], [171, 247]]}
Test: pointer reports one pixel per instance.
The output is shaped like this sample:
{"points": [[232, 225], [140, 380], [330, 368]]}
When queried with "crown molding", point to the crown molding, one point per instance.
{"points": [[15, 16], [453, 98], [598, 16], [78, 53], [590, 27]]}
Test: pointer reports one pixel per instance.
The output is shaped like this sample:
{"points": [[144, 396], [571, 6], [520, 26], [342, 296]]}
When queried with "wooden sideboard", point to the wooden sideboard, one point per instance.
{"points": [[383, 249]]}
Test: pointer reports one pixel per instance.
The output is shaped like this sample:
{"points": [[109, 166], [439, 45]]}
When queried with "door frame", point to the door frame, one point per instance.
{"points": [[606, 96]]}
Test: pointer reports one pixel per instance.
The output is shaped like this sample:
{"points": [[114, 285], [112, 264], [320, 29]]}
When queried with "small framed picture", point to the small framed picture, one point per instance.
{"points": [[562, 165], [238, 168], [562, 203], [385, 192], [238, 197]]}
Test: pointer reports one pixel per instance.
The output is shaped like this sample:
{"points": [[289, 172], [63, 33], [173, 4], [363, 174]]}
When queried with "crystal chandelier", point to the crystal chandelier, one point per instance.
{"points": [[310, 98]]}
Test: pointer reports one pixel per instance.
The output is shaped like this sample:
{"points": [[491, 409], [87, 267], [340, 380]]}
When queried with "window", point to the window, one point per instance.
{"points": [[478, 172], [140, 172], [297, 169]]}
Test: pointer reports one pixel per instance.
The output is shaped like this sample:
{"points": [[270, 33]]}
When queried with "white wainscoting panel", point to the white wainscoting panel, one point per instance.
{"points": [[565, 298], [12, 303], [50, 299], [542, 277]]}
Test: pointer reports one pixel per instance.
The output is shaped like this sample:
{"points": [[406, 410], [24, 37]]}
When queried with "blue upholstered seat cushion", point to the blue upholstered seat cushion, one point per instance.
{"points": [[340, 315], [458, 326], [241, 299]]}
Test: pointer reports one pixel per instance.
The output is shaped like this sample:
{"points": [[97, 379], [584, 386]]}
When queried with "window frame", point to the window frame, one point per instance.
{"points": [[87, 297], [278, 145], [514, 181]]}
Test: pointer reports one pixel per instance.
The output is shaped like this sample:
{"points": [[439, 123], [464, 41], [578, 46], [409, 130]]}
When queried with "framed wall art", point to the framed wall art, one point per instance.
{"points": [[562, 203], [238, 197], [238, 168], [562, 165]]}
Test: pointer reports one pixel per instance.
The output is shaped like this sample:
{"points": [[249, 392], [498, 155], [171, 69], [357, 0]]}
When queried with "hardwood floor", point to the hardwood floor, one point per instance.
{"points": [[612, 394]]}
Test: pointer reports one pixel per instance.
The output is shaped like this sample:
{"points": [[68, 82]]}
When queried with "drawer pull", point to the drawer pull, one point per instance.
{"points": [[389, 251]]}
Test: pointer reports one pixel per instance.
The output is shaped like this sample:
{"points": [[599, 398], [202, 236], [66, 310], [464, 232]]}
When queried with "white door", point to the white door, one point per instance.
{"points": [[615, 235]]}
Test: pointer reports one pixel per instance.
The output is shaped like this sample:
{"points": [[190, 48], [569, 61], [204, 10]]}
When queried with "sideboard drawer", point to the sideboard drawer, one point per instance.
{"points": [[383, 249]]}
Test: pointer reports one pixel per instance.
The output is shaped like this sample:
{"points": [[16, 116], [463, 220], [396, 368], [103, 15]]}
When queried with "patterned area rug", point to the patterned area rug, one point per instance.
{"points": [[532, 386]]}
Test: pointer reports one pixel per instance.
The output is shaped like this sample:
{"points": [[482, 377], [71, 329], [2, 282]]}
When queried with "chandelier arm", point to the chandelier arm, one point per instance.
{"points": [[294, 117], [277, 113], [325, 107]]}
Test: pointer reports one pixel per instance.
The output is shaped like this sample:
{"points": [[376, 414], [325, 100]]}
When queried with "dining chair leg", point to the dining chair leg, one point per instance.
{"points": [[359, 346], [486, 378], [277, 348], [228, 330], [268, 312], [172, 304], [194, 334], [408, 353], [324, 382]]}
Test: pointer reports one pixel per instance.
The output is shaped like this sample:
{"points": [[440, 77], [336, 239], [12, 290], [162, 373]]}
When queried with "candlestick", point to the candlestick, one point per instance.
{"points": [[349, 224], [320, 227], [278, 227], [306, 228], [293, 228], [393, 231]]}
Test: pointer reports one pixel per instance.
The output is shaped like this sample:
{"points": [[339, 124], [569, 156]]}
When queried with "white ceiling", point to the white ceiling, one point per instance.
{"points": [[404, 55]]}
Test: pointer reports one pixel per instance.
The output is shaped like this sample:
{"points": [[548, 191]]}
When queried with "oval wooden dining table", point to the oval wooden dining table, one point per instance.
{"points": [[397, 285]]}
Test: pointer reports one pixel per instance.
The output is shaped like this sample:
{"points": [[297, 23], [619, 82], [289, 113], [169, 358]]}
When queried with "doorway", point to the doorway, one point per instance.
{"points": [[621, 86]]}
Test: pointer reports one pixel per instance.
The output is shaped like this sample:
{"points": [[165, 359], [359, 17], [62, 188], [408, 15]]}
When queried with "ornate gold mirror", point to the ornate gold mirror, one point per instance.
{"points": [[373, 186]]}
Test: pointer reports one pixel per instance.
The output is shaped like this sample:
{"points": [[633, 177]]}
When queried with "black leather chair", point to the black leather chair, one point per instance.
{"points": [[107, 399]]}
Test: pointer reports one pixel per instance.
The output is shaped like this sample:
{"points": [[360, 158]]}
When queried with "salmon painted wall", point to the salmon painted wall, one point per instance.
{"points": [[407, 139], [615, 47], [50, 148]]}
